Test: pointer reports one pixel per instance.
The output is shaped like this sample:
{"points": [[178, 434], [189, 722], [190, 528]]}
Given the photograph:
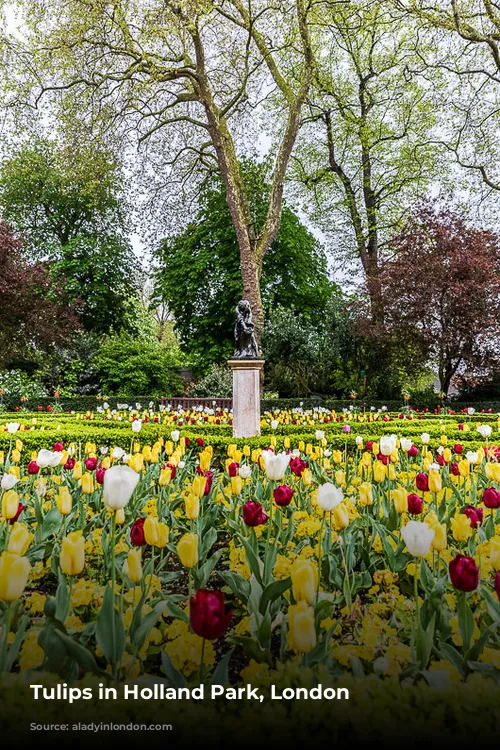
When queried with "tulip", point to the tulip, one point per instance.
{"points": [[134, 565], [417, 536], [298, 466], [302, 631], [207, 614], [497, 584], [119, 485], [400, 499], [495, 552], [91, 463], [232, 469], [475, 516], [464, 468], [435, 481], [253, 514], [192, 503], [198, 487], [236, 485], [72, 558], [245, 472], [187, 549], [415, 504], [440, 540], [329, 496], [406, 444], [19, 510], [341, 516], [461, 528], [484, 430], [275, 465], [47, 458], [137, 537], [14, 572], [174, 435], [464, 573], [19, 539], [491, 498], [283, 495], [9, 481], [422, 482], [136, 425], [87, 484], [388, 445], [413, 451], [10, 504], [13, 427], [165, 477], [379, 471], [304, 574], [365, 494], [425, 437]]}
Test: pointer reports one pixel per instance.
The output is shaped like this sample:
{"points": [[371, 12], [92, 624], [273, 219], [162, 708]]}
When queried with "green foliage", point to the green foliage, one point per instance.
{"points": [[304, 355], [218, 382], [129, 365], [199, 279]]}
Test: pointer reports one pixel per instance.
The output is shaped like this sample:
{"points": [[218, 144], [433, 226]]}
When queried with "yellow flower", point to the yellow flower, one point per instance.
{"points": [[156, 533], [495, 552], [304, 575], [136, 462], [165, 477], [19, 539], [87, 484], [10, 504], [464, 468], [302, 632], [187, 549], [14, 572], [400, 499], [192, 503], [379, 471], [440, 541], [365, 494], [16, 456], [134, 565], [435, 481], [72, 559], [77, 470], [461, 528], [63, 500], [236, 485], [341, 516], [493, 471], [198, 486]]}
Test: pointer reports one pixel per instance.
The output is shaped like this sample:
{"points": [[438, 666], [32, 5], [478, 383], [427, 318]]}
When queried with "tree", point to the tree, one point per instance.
{"points": [[363, 152], [35, 316], [66, 200], [190, 67], [442, 291], [198, 277]]}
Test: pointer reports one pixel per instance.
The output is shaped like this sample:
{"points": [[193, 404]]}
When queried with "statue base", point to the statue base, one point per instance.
{"points": [[246, 396]]}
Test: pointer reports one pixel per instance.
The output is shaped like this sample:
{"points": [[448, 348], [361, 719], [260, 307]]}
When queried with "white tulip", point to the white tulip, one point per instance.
{"points": [[119, 485], [434, 467], [387, 444], [117, 453], [470, 411], [106, 405], [327, 453], [359, 440], [181, 464], [40, 487], [46, 458], [484, 430], [418, 538], [56, 458], [175, 435], [8, 481], [126, 457], [275, 464], [329, 496], [441, 449], [13, 427], [245, 472], [319, 434], [425, 437], [104, 449], [274, 424], [406, 444], [137, 425], [472, 457]]}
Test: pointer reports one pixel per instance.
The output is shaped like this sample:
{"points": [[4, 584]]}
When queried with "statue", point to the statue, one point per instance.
{"points": [[244, 333]]}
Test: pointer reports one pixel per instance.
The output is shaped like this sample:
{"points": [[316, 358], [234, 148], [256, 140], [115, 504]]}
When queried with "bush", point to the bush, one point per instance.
{"points": [[217, 383], [17, 384]]}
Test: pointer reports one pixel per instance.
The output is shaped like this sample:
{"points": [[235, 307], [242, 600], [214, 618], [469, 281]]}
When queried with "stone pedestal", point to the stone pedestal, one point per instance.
{"points": [[246, 396]]}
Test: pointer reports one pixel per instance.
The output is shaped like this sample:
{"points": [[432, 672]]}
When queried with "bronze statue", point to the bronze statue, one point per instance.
{"points": [[244, 333]]}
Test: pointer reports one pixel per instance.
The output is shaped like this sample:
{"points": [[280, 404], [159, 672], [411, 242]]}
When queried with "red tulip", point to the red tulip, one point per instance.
{"points": [[200, 441], [33, 467], [422, 482], [464, 573], [70, 464], [298, 466], [497, 584], [137, 533], [415, 504], [458, 448], [19, 510], [232, 469], [491, 498], [207, 614], [369, 445], [91, 463], [99, 475], [58, 446], [253, 514], [208, 484], [454, 469], [413, 451], [475, 516], [283, 495]]}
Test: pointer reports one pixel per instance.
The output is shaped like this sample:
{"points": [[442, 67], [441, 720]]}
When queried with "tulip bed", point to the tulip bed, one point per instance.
{"points": [[337, 547]]}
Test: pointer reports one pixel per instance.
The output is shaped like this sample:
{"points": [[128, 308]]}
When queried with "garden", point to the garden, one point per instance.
{"points": [[341, 545]]}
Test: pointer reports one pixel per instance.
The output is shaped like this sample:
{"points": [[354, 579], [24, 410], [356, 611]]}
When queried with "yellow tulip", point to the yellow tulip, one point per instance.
{"points": [[16, 456], [237, 456], [136, 462], [134, 565], [14, 470], [337, 457], [136, 448], [187, 549], [14, 572], [461, 528], [236, 485], [286, 443], [379, 471], [365, 494], [341, 516], [120, 516], [192, 503], [19, 539], [447, 455], [72, 558], [440, 541], [146, 452], [302, 446], [165, 477], [19, 445], [304, 574], [198, 486], [77, 470], [246, 450], [495, 552], [464, 468], [205, 458], [307, 477], [301, 628], [10, 504], [87, 484], [435, 481], [64, 501], [493, 471], [400, 499]]}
